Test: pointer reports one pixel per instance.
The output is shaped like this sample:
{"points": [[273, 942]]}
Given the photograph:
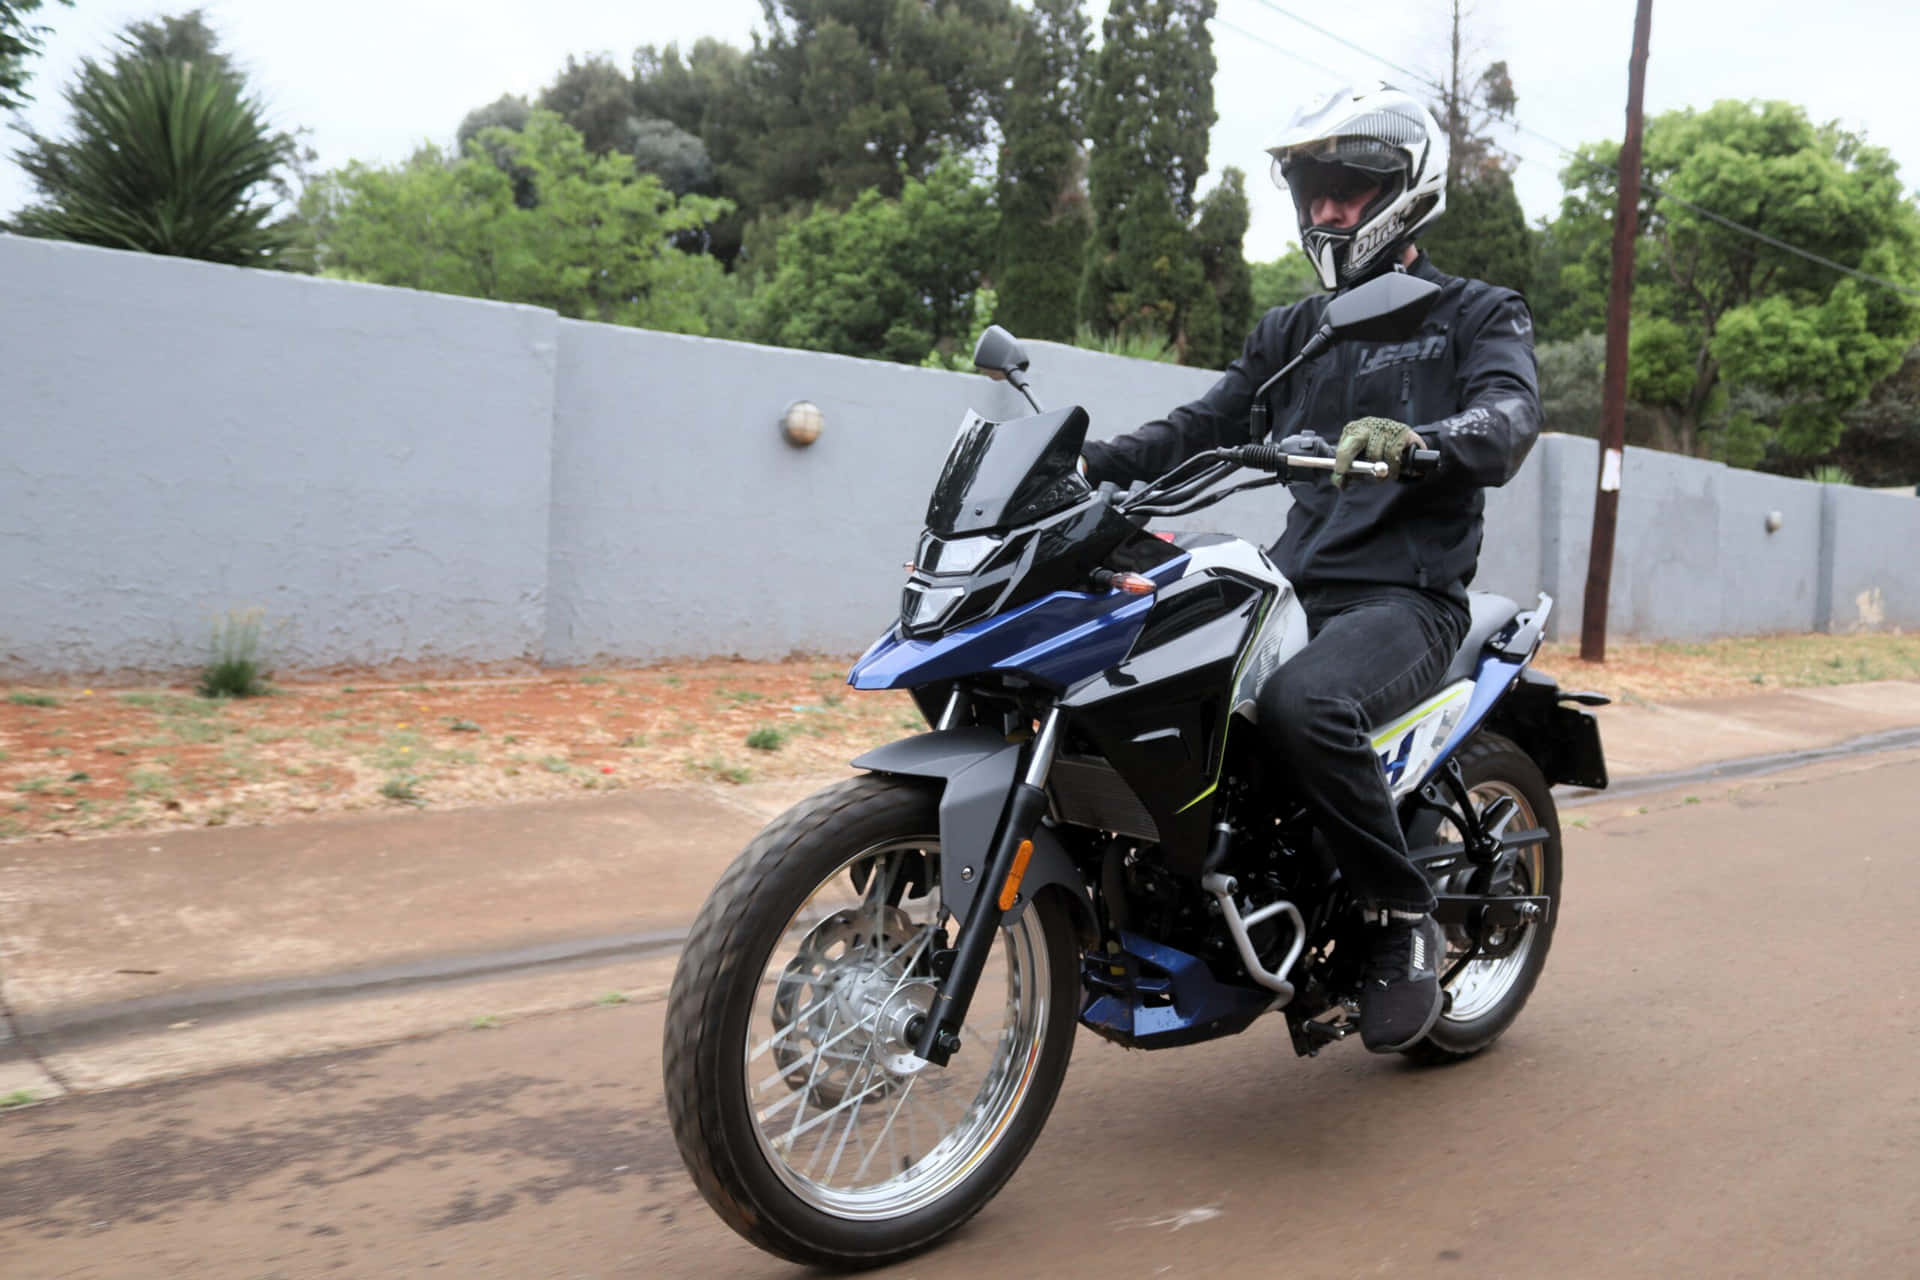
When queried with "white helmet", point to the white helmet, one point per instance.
{"points": [[1377, 135]]}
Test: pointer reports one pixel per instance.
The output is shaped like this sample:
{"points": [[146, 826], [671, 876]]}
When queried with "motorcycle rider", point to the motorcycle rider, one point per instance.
{"points": [[1381, 568]]}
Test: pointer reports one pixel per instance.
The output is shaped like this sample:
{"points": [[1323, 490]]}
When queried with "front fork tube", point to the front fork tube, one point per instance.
{"points": [[938, 1034]]}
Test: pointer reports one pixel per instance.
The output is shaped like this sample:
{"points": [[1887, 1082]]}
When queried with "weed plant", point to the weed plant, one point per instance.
{"points": [[233, 666]]}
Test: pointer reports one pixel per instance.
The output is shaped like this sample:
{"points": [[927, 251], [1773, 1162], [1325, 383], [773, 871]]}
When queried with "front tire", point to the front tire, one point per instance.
{"points": [[786, 1019], [1487, 995]]}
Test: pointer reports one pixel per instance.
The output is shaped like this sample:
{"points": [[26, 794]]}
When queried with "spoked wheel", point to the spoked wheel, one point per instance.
{"points": [[802, 1111], [1485, 996]]}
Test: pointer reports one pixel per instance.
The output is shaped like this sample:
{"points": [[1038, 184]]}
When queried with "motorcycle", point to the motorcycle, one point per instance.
{"points": [[875, 1008]]}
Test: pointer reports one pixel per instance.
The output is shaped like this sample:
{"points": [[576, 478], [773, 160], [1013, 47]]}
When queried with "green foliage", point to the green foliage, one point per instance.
{"points": [[1572, 268], [844, 96], [595, 98], [233, 667], [671, 154], [1284, 281], [1135, 344], [1218, 235], [404, 788], [23, 699], [1044, 218], [594, 244], [1483, 234], [163, 156], [1149, 111], [1572, 376], [182, 38], [766, 739], [959, 359], [1830, 475], [1728, 311], [20, 40], [1881, 440], [889, 279]]}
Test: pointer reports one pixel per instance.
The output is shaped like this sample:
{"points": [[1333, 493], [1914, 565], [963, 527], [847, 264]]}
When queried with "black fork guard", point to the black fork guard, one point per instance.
{"points": [[986, 811]]}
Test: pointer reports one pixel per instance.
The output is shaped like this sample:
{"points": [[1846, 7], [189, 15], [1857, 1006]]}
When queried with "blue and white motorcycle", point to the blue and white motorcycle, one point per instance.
{"points": [[876, 1006]]}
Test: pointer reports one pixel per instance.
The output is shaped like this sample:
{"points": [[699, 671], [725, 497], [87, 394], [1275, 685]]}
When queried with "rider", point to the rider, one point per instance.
{"points": [[1381, 569]]}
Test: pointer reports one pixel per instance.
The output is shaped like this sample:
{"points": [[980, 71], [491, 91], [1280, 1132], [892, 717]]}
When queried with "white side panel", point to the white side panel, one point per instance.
{"points": [[1409, 746]]}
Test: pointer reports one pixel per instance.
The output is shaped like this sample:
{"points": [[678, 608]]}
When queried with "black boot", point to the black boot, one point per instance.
{"points": [[1400, 995]]}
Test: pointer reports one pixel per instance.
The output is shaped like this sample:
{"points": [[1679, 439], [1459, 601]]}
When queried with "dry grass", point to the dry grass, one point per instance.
{"points": [[84, 762], [1720, 668]]}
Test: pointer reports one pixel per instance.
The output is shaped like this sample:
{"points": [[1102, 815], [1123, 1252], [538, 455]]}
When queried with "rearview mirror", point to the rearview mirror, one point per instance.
{"points": [[1384, 309], [999, 353]]}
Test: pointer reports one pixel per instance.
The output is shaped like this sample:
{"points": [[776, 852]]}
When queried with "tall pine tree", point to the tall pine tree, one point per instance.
{"points": [[1150, 107], [1042, 187]]}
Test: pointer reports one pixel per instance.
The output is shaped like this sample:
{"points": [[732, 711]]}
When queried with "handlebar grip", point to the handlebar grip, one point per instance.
{"points": [[1260, 457]]}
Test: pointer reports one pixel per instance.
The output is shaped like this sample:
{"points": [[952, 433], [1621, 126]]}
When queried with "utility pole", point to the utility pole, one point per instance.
{"points": [[1613, 405]]}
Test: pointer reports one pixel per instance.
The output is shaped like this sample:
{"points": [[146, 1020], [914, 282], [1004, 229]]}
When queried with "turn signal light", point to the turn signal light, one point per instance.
{"points": [[1133, 584], [1012, 888]]}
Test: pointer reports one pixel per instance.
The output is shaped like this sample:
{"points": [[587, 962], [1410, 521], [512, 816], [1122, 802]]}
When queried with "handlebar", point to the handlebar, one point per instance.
{"points": [[1267, 457]]}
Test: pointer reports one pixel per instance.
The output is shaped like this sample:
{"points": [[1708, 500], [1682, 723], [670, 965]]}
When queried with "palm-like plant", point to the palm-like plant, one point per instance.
{"points": [[166, 156]]}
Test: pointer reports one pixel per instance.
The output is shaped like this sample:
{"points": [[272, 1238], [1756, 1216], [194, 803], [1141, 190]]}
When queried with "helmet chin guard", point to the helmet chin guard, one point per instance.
{"points": [[1378, 136]]}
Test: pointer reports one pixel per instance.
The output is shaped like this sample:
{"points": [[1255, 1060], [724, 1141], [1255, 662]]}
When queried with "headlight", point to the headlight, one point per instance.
{"points": [[923, 606], [946, 557]]}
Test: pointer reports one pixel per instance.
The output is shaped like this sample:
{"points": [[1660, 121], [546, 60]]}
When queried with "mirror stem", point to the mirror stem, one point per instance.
{"points": [[1257, 416], [1018, 380]]}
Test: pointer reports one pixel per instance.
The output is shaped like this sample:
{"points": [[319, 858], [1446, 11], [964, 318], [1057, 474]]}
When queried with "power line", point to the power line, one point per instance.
{"points": [[1340, 39], [1569, 152], [1339, 77]]}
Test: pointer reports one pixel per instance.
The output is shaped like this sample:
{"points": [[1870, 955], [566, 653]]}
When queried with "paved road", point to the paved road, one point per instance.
{"points": [[1716, 1077]]}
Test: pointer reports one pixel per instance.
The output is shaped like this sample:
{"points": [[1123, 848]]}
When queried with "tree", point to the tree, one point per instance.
{"points": [[891, 279], [595, 97], [595, 244], [1287, 279], [673, 155], [1218, 237], [1042, 179], [1716, 309], [182, 37], [704, 95], [19, 40], [849, 95], [1468, 108], [1881, 442], [1483, 234], [1571, 383], [164, 156], [1150, 108]]}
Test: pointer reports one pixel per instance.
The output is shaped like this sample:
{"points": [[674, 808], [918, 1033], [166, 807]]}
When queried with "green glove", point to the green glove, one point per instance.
{"points": [[1376, 440]]}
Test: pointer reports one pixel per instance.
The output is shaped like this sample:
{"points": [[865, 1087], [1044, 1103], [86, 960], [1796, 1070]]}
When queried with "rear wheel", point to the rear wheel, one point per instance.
{"points": [[1485, 996], [806, 1119]]}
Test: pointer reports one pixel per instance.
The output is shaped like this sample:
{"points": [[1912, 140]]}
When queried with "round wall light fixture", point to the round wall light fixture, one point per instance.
{"points": [[802, 423], [1774, 521]]}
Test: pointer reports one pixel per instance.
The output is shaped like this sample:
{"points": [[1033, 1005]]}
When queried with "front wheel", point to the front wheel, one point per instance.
{"points": [[1485, 996], [803, 1114]]}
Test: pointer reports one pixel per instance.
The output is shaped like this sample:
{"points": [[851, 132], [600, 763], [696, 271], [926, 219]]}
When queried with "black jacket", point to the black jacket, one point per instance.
{"points": [[1466, 382]]}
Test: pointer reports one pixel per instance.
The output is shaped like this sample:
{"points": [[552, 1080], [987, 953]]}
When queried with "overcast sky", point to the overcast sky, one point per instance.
{"points": [[372, 78]]}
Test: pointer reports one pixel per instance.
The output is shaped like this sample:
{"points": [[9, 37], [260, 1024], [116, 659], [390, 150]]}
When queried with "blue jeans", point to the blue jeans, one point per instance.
{"points": [[1373, 653]]}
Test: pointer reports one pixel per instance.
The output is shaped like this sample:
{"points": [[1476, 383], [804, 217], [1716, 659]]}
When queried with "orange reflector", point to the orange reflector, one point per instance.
{"points": [[1012, 888], [1133, 584]]}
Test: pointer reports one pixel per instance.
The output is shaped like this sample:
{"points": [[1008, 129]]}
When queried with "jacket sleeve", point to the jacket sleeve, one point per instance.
{"points": [[1218, 418], [1499, 420]]}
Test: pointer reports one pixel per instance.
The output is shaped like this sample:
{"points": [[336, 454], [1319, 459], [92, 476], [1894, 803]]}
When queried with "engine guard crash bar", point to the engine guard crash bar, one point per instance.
{"points": [[1222, 888]]}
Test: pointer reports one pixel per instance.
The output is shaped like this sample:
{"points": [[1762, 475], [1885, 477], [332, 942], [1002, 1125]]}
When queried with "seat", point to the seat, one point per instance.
{"points": [[1490, 613]]}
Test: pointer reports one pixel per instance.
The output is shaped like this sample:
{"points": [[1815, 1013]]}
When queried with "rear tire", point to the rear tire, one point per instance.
{"points": [[1488, 995], [720, 1095]]}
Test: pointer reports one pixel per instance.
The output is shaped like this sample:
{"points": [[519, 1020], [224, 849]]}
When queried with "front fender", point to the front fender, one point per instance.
{"points": [[978, 767]]}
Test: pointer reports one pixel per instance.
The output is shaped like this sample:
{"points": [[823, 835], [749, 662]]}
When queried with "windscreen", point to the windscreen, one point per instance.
{"points": [[1006, 473]]}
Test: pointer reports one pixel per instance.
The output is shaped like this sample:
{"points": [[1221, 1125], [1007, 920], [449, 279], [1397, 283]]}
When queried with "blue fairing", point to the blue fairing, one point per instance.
{"points": [[1490, 683], [1059, 639]]}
